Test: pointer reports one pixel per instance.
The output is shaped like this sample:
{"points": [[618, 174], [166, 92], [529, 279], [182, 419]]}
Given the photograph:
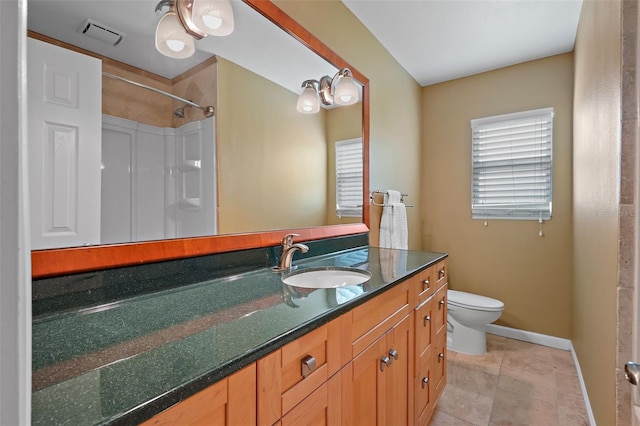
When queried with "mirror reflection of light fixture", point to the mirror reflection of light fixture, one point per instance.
{"points": [[171, 38], [213, 17], [193, 18], [341, 90], [309, 101]]}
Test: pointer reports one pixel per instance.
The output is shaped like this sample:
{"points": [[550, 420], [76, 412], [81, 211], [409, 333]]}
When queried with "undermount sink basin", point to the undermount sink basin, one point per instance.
{"points": [[329, 277]]}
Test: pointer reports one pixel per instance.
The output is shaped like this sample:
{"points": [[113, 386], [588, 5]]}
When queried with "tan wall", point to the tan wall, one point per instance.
{"points": [[271, 158], [198, 85], [507, 259], [124, 100], [395, 103], [595, 197]]}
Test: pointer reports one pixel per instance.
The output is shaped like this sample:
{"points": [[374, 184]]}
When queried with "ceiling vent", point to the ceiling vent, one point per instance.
{"points": [[101, 32]]}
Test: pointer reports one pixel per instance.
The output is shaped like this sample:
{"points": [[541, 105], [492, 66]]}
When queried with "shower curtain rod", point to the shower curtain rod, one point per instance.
{"points": [[208, 110]]}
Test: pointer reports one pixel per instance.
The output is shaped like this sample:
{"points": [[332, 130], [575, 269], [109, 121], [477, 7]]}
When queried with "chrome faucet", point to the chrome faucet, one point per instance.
{"points": [[288, 249]]}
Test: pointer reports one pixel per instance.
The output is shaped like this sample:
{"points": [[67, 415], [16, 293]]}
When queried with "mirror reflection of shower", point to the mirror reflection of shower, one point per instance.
{"points": [[180, 111], [208, 111]]}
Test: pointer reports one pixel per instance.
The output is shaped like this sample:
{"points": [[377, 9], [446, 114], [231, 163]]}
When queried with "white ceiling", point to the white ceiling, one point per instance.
{"points": [[434, 40], [440, 40]]}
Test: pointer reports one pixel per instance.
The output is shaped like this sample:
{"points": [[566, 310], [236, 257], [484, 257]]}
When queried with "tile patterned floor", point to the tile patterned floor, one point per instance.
{"points": [[514, 383]]}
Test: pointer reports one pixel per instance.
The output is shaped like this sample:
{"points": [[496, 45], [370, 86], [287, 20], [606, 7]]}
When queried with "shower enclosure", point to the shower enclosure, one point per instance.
{"points": [[157, 183]]}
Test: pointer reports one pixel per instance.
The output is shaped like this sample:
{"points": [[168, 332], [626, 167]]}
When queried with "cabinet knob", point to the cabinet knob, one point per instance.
{"points": [[441, 303], [440, 357], [426, 320], [385, 361], [308, 365], [426, 284], [425, 382], [441, 274], [394, 354]]}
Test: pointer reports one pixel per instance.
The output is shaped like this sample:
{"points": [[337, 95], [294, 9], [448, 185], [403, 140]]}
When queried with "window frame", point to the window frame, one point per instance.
{"points": [[348, 206], [535, 157]]}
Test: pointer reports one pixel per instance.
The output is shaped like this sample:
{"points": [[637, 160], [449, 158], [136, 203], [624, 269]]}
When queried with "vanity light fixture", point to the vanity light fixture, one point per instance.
{"points": [[187, 20], [341, 90], [309, 100]]}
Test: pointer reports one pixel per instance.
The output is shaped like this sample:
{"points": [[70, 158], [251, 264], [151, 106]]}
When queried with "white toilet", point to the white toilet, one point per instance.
{"points": [[467, 316]]}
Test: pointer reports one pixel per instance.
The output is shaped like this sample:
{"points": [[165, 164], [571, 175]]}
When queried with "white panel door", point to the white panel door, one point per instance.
{"points": [[64, 97]]}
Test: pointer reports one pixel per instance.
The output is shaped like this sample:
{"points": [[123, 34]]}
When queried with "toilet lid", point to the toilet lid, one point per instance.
{"points": [[473, 301]]}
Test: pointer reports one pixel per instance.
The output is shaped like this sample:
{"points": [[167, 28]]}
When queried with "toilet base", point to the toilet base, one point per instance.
{"points": [[468, 340]]}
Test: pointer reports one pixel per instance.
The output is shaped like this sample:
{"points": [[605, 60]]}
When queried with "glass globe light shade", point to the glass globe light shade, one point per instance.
{"points": [[213, 17], [309, 102], [171, 38], [346, 90]]}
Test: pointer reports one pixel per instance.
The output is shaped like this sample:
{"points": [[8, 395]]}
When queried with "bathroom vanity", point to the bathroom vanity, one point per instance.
{"points": [[243, 348]]}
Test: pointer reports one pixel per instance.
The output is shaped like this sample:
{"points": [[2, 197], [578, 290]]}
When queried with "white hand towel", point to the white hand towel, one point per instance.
{"points": [[394, 231]]}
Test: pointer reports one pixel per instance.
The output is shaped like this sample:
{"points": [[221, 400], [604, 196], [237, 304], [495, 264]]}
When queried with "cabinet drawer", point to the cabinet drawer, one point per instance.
{"points": [[424, 283], [424, 330], [441, 273], [372, 319], [439, 310], [290, 374]]}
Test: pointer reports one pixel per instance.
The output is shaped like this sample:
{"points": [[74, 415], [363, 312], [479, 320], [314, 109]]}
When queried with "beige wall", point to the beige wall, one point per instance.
{"points": [[270, 157], [395, 102], [198, 85], [595, 197], [124, 100], [507, 259]]}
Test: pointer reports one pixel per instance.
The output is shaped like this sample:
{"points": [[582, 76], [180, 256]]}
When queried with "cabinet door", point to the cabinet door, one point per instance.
{"points": [[368, 385], [229, 402], [424, 387], [399, 384], [380, 386], [321, 408]]}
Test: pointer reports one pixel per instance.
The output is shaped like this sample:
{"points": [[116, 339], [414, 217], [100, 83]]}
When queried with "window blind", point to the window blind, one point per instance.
{"points": [[349, 180], [512, 166]]}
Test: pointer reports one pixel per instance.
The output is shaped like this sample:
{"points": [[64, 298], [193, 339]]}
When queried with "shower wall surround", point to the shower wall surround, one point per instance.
{"points": [[157, 182]]}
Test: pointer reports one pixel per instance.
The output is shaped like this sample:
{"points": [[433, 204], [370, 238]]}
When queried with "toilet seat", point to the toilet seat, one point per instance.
{"points": [[475, 302]]}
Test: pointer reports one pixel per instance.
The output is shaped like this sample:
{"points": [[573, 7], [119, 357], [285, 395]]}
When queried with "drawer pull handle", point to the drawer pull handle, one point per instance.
{"points": [[440, 357], [385, 361], [308, 365], [425, 382], [394, 354], [426, 285], [441, 274], [427, 319]]}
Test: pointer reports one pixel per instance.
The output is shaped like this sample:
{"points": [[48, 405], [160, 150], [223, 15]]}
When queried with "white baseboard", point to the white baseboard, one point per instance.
{"points": [[530, 336], [552, 342], [592, 419]]}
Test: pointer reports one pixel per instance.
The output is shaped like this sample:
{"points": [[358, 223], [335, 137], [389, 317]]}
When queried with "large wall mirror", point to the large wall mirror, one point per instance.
{"points": [[172, 182]]}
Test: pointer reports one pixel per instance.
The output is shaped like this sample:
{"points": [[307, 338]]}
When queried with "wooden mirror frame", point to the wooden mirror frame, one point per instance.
{"points": [[56, 262]]}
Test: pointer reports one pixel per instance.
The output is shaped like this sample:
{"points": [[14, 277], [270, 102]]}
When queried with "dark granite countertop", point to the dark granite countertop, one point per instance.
{"points": [[124, 361]]}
